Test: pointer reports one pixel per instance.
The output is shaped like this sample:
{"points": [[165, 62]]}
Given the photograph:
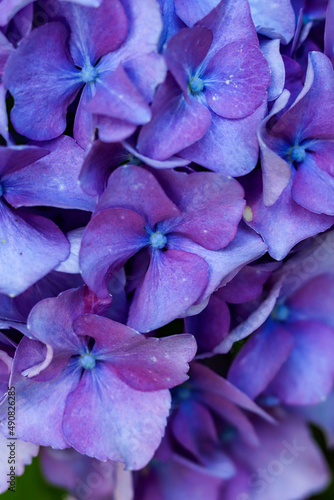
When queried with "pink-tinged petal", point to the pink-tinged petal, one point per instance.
{"points": [[24, 453], [314, 298], [290, 448], [185, 52], [274, 19], [134, 188], [211, 206], [50, 320], [313, 188], [145, 364], [39, 405], [57, 175], [271, 51], [230, 22], [194, 428], [229, 147], [299, 223], [307, 376], [89, 39], [30, 247], [236, 80], [40, 108], [173, 282], [211, 325], [117, 97], [13, 158], [175, 124], [267, 349], [223, 264], [120, 418], [100, 160], [110, 239]]}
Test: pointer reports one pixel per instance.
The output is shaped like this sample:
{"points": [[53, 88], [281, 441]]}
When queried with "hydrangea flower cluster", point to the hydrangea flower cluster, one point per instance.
{"points": [[167, 246]]}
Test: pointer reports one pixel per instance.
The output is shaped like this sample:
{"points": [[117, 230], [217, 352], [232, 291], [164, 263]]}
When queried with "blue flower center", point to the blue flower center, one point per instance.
{"points": [[195, 85], [87, 361], [158, 240], [1, 190], [298, 154], [228, 434], [280, 312], [89, 73]]}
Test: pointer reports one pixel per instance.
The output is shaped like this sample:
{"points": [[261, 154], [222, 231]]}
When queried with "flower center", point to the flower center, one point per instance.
{"points": [[228, 434], [89, 73], [280, 312], [298, 154], [158, 240], [1, 190], [195, 85], [87, 361]]}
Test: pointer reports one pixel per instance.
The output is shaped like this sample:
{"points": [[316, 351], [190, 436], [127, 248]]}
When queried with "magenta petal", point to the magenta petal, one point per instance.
{"points": [[236, 80], [119, 418], [175, 124], [185, 52], [40, 107], [173, 282], [267, 349], [57, 174], [30, 247], [145, 364], [110, 239], [136, 189], [307, 376], [117, 97]]}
